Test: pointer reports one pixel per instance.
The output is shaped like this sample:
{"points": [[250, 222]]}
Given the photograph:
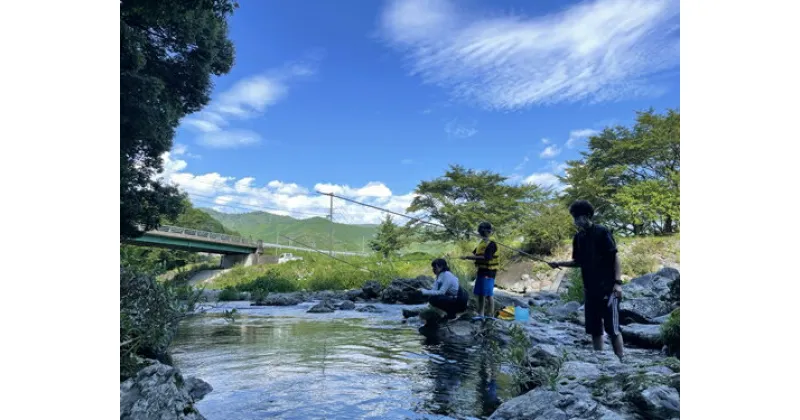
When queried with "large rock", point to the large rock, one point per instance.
{"points": [[371, 290], [354, 294], [280, 299], [564, 311], [159, 391], [651, 285], [646, 336], [652, 395], [407, 290], [550, 405], [369, 308], [642, 310], [347, 305], [325, 306]]}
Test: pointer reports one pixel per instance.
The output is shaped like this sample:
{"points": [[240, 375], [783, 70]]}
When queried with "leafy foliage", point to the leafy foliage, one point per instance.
{"points": [[632, 175], [546, 227], [671, 333], [168, 52], [463, 198], [390, 238]]}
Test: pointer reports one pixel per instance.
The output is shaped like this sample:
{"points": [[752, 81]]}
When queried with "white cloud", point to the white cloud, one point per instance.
{"points": [[232, 195], [546, 180], [545, 141], [597, 50], [550, 151], [576, 135], [228, 139], [223, 199], [458, 130], [522, 164], [248, 98]]}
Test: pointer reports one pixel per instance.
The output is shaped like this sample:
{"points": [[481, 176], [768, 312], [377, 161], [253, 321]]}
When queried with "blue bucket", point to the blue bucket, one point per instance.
{"points": [[521, 314]]}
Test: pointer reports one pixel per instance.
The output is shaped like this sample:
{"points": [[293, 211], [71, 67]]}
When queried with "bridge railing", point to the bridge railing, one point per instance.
{"points": [[210, 235]]}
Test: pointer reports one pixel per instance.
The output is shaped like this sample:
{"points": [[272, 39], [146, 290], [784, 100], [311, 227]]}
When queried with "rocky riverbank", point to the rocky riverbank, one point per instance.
{"points": [[568, 380], [564, 377]]}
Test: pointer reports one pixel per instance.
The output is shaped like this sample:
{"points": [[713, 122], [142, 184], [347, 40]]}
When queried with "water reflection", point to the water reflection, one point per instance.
{"points": [[295, 368]]}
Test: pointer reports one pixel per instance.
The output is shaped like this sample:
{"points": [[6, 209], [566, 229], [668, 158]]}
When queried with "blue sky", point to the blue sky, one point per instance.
{"points": [[368, 98]]}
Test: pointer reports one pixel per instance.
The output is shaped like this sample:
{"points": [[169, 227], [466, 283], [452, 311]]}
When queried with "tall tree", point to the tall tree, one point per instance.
{"points": [[463, 198], [390, 238], [168, 52], [632, 174]]}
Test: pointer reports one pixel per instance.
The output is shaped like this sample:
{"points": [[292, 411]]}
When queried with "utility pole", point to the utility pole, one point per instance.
{"points": [[331, 218]]}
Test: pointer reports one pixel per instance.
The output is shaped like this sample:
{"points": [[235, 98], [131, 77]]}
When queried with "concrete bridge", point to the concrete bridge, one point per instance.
{"points": [[234, 249]]}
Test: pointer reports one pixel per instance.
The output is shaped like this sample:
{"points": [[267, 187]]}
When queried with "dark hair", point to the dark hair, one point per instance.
{"points": [[440, 263], [581, 208]]}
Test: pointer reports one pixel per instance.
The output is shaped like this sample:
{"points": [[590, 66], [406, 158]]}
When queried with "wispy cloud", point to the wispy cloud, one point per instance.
{"points": [[407, 161], [549, 151], [228, 139], [522, 164], [456, 129], [545, 141], [596, 51], [577, 135], [246, 99]]}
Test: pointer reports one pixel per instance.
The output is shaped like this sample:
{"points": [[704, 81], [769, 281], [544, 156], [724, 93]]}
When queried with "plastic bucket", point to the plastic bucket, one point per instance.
{"points": [[521, 314]]}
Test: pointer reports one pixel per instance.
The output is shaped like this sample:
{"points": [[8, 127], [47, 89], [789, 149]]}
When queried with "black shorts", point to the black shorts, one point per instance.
{"points": [[602, 312]]}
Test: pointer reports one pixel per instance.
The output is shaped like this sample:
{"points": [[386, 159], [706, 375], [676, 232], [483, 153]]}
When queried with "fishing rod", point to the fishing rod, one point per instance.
{"points": [[416, 219]]}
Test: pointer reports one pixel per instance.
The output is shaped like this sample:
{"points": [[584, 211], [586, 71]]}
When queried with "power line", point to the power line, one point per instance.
{"points": [[467, 233]]}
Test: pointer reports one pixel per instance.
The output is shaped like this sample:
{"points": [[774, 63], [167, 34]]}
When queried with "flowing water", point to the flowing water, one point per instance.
{"points": [[281, 362]]}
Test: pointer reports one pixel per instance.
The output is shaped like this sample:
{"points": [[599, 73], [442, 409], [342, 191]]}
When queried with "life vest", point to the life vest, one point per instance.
{"points": [[487, 264]]}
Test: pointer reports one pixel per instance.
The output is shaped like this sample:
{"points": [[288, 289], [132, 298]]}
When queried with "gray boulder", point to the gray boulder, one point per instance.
{"points": [[347, 305], [325, 306], [407, 290], [646, 336], [159, 391], [371, 290], [280, 299]]}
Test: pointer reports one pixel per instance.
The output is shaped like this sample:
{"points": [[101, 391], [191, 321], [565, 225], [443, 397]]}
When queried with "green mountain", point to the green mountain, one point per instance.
{"points": [[314, 232]]}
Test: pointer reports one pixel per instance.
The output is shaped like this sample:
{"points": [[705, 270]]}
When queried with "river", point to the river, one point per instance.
{"points": [[284, 363]]}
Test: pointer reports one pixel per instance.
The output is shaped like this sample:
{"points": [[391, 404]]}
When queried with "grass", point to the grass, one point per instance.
{"points": [[320, 272], [575, 290], [671, 332]]}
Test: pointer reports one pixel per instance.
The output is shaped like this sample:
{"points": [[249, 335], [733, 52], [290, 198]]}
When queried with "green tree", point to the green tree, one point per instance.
{"points": [[390, 238], [463, 198], [547, 226], [168, 52], [632, 174]]}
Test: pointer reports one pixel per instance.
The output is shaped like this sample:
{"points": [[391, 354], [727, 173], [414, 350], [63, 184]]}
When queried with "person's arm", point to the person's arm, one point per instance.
{"points": [[569, 263], [437, 288], [488, 254]]}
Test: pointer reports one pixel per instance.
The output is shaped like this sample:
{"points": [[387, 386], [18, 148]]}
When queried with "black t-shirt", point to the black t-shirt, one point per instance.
{"points": [[491, 249], [594, 250]]}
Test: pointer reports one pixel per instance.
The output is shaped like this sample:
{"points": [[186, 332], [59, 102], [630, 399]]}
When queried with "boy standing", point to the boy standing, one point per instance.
{"points": [[485, 259], [595, 252]]}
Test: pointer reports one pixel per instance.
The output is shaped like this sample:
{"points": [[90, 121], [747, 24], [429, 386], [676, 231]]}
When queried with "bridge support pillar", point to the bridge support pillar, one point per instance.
{"points": [[245, 260]]}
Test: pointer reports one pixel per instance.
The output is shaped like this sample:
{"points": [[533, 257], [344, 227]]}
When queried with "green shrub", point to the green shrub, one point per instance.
{"points": [[671, 333], [148, 316], [549, 226], [229, 294], [575, 290]]}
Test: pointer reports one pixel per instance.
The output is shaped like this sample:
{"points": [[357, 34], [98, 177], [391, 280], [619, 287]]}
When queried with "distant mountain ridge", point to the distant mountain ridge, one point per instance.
{"points": [[315, 231]]}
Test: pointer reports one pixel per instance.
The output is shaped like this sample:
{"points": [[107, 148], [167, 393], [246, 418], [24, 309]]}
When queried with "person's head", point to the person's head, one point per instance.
{"points": [[485, 229], [582, 213], [439, 265]]}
